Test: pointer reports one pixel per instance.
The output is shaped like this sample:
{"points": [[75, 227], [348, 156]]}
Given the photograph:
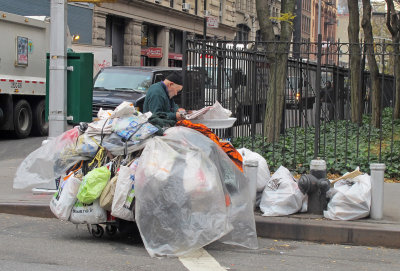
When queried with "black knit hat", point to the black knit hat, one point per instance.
{"points": [[175, 77]]}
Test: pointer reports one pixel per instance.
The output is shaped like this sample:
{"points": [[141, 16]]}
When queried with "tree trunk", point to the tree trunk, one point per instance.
{"points": [[278, 56], [373, 67], [355, 60], [393, 25], [397, 76]]}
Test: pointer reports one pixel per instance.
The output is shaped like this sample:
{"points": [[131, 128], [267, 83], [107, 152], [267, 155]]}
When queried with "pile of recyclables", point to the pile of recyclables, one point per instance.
{"points": [[179, 186]]}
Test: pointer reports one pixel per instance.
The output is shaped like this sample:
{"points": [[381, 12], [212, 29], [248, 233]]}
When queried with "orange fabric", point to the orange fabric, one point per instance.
{"points": [[233, 154]]}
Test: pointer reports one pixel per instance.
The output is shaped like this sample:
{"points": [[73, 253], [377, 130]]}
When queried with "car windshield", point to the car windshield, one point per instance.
{"points": [[125, 80]]}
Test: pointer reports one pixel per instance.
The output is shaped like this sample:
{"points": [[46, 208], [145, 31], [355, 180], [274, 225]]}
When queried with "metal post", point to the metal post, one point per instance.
{"points": [[318, 84], [250, 168], [184, 70], [377, 178], [58, 68], [205, 20]]}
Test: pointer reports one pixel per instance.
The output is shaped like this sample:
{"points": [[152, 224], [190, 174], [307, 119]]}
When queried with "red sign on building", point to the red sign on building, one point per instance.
{"points": [[152, 52]]}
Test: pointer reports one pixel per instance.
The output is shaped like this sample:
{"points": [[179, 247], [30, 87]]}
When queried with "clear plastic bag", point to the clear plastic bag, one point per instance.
{"points": [[192, 194], [351, 200], [281, 195], [48, 162], [134, 128]]}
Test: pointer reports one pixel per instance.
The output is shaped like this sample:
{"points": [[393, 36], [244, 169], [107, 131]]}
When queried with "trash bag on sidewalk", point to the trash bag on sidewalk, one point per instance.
{"points": [[192, 194], [64, 199], [48, 162], [351, 199], [281, 195], [263, 173]]}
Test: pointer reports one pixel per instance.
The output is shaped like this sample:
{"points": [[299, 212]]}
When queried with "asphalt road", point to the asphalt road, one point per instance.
{"points": [[29, 243], [11, 148]]}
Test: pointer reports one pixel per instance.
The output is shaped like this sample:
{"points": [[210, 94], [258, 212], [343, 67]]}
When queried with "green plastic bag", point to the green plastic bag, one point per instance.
{"points": [[93, 184]]}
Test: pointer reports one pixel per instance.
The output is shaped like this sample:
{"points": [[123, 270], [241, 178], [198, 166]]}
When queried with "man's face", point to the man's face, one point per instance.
{"points": [[173, 89]]}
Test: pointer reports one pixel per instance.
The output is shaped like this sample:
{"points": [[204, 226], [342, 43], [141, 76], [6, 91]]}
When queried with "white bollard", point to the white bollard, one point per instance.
{"points": [[377, 180], [250, 168]]}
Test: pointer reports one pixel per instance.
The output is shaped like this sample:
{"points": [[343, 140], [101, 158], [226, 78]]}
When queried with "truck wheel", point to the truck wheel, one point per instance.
{"points": [[40, 126], [22, 119]]}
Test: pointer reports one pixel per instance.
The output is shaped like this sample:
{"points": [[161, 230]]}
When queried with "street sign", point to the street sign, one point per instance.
{"points": [[212, 22]]}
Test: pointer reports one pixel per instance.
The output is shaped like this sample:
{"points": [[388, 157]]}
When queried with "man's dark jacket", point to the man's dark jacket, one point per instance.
{"points": [[158, 101]]}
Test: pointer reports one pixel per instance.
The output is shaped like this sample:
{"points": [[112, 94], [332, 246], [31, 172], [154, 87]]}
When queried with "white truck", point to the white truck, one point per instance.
{"points": [[24, 42]]}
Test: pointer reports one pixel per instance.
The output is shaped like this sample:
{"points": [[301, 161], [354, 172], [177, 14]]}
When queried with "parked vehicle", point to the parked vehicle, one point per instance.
{"points": [[116, 84], [23, 44]]}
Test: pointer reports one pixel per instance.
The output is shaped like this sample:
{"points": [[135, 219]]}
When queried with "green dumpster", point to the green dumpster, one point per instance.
{"points": [[79, 87]]}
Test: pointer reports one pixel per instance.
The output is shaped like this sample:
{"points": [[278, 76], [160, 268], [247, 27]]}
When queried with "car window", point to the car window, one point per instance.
{"points": [[159, 77], [112, 79]]}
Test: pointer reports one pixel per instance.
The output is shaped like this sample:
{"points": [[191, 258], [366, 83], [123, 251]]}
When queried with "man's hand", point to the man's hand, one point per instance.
{"points": [[179, 116]]}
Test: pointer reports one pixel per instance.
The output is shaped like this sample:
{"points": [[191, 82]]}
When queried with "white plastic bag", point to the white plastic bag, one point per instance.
{"points": [[125, 109], [263, 173], [281, 195], [352, 199], [88, 213], [104, 114], [64, 199], [123, 201]]}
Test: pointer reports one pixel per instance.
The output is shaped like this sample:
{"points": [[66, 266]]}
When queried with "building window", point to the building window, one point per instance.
{"points": [[149, 35], [196, 7], [243, 32], [171, 3]]}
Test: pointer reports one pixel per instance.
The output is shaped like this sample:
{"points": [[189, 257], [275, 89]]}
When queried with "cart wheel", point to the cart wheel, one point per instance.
{"points": [[111, 229], [97, 231]]}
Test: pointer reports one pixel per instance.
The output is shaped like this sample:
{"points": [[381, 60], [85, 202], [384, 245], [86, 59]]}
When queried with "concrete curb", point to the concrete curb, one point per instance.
{"points": [[366, 233], [36, 210], [300, 227]]}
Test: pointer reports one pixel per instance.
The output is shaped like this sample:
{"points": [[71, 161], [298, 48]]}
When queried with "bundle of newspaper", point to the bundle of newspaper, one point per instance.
{"points": [[215, 111]]}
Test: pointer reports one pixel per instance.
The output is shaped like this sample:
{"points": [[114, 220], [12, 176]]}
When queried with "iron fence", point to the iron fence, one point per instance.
{"points": [[240, 77]]}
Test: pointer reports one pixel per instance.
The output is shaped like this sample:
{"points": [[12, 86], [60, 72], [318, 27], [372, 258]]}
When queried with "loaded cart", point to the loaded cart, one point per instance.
{"points": [[175, 183]]}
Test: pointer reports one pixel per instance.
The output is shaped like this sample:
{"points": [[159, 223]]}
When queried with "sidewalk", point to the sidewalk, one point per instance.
{"points": [[304, 227]]}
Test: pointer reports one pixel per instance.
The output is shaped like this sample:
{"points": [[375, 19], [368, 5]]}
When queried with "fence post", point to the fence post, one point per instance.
{"points": [[184, 69], [317, 98]]}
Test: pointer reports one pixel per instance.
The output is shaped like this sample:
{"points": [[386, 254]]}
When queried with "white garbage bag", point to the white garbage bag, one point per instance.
{"points": [[263, 173], [88, 213], [64, 199], [281, 195], [352, 199]]}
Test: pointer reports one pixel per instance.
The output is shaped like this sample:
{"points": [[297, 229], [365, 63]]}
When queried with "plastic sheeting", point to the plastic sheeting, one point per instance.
{"points": [[351, 199], [191, 194], [48, 162]]}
